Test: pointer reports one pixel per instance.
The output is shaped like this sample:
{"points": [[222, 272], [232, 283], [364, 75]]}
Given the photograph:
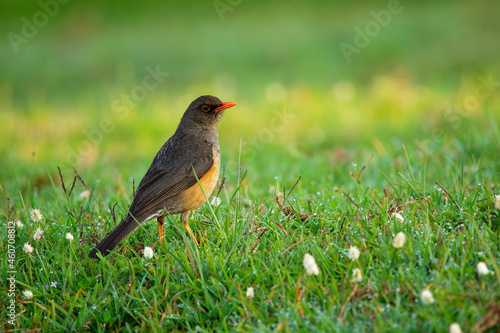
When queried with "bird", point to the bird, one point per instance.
{"points": [[190, 158]]}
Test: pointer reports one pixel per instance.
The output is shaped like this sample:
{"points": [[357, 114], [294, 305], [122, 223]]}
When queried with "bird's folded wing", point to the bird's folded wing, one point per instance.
{"points": [[161, 183]]}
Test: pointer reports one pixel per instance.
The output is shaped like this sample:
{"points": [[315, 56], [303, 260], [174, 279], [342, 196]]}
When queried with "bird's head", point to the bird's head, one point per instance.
{"points": [[205, 111]]}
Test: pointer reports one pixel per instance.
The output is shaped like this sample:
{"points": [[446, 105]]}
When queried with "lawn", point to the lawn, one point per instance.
{"points": [[355, 197]]}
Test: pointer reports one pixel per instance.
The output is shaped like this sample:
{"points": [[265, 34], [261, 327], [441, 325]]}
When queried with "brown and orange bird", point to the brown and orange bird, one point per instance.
{"points": [[169, 186]]}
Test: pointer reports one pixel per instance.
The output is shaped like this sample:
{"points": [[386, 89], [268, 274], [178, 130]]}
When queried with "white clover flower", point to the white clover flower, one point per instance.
{"points": [[148, 252], [455, 328], [85, 195], [250, 292], [27, 248], [69, 237], [398, 217], [19, 224], [357, 275], [427, 297], [353, 253], [497, 201], [38, 234], [36, 215], [399, 240], [482, 269], [28, 294], [310, 265], [215, 201]]}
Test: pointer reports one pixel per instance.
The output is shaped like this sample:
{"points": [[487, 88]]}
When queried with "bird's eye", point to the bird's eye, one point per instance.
{"points": [[205, 108]]}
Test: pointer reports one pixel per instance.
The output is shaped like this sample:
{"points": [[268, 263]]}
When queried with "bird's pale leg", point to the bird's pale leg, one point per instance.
{"points": [[161, 219], [185, 220]]}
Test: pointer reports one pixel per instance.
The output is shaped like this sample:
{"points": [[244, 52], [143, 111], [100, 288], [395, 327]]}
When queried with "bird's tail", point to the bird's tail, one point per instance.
{"points": [[114, 238]]}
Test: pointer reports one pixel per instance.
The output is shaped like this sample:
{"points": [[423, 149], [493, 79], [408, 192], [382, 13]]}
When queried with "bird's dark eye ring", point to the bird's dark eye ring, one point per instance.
{"points": [[205, 108]]}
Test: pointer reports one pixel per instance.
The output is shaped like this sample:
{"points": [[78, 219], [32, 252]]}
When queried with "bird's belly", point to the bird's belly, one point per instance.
{"points": [[193, 197]]}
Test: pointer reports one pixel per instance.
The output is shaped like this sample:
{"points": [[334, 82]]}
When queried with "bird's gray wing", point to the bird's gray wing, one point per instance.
{"points": [[171, 173]]}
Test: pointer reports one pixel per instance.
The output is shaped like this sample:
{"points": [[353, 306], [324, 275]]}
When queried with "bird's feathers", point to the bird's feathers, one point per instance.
{"points": [[162, 182]]}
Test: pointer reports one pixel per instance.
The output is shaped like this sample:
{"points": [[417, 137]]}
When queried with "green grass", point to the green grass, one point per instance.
{"points": [[250, 243]]}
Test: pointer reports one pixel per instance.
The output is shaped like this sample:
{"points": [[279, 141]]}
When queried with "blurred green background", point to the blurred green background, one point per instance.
{"points": [[428, 73]]}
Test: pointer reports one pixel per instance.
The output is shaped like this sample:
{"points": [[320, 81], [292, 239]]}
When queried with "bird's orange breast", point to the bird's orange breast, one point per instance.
{"points": [[193, 197]]}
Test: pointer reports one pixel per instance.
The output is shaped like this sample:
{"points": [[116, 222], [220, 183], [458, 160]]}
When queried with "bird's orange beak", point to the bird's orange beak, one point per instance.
{"points": [[225, 105]]}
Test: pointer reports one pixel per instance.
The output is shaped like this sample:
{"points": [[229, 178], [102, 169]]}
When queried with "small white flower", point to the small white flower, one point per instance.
{"points": [[19, 224], [398, 217], [215, 201], [357, 276], [353, 253], [85, 195], [27, 248], [53, 284], [38, 234], [28, 294], [69, 237], [250, 292], [399, 240], [427, 297], [310, 265], [497, 201], [455, 328], [36, 215], [482, 269], [148, 252]]}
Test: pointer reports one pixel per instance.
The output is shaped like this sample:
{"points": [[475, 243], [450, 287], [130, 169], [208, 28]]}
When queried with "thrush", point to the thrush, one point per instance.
{"points": [[186, 163]]}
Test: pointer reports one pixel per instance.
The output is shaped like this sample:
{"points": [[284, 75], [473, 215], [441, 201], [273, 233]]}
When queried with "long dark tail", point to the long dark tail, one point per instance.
{"points": [[114, 238]]}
